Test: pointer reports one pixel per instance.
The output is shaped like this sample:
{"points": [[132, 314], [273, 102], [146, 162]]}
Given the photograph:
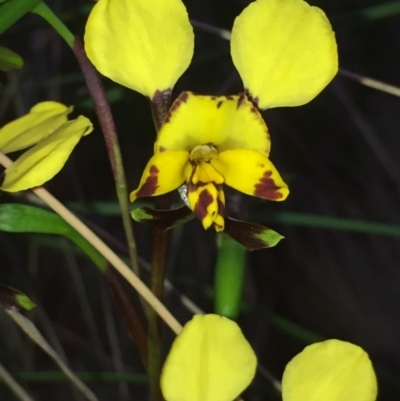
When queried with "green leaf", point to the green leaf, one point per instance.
{"points": [[328, 222], [12, 10], [23, 218], [11, 298], [229, 277], [380, 11], [10, 60]]}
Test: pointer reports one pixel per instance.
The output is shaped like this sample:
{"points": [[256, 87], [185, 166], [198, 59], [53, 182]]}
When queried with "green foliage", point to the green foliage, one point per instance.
{"points": [[12, 10], [229, 277], [18, 218], [11, 298], [10, 60]]}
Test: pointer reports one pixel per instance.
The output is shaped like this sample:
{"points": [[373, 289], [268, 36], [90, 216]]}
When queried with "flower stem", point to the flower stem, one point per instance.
{"points": [[106, 120], [159, 109]]}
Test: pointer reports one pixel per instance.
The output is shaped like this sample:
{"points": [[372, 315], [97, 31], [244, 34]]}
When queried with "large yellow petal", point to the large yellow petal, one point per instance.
{"points": [[332, 370], [227, 122], [251, 173], [42, 120], [42, 162], [145, 45], [210, 360], [164, 172], [285, 51]]}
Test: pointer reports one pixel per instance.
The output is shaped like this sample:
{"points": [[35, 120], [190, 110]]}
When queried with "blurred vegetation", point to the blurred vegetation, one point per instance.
{"points": [[336, 273]]}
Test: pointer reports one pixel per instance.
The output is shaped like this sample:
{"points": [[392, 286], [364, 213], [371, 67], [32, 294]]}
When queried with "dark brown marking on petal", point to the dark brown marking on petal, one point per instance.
{"points": [[151, 184], [161, 102], [252, 99], [162, 149], [205, 200], [245, 233], [219, 104], [240, 101], [229, 97], [266, 188], [184, 97], [213, 97], [221, 207], [254, 110]]}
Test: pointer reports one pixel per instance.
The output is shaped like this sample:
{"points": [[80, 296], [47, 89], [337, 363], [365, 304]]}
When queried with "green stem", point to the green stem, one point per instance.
{"points": [[47, 14], [229, 277]]}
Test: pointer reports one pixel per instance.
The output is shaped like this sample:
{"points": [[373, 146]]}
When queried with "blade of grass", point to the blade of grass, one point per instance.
{"points": [[329, 222], [108, 254], [59, 377], [19, 392], [33, 333]]}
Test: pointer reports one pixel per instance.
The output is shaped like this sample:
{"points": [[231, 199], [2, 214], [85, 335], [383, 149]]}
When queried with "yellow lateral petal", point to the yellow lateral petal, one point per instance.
{"points": [[163, 173], [285, 51], [210, 360], [251, 173], [145, 45], [227, 122], [42, 120], [42, 162], [332, 370]]}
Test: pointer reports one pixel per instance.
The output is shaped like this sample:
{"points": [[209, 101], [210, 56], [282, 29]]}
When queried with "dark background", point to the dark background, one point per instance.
{"points": [[340, 155]]}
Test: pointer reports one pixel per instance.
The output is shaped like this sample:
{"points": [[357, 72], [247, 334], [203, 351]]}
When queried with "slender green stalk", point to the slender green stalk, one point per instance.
{"points": [[47, 14], [12, 10], [229, 277]]}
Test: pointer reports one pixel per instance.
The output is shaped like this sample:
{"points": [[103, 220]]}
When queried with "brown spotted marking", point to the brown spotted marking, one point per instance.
{"points": [[161, 103], [252, 99], [151, 184], [182, 98], [205, 200], [230, 97], [266, 188], [240, 101], [219, 104], [161, 149]]}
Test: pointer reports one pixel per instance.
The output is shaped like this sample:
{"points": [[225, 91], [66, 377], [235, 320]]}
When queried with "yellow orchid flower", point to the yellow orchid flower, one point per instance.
{"points": [[285, 52], [228, 143], [210, 360], [46, 126]]}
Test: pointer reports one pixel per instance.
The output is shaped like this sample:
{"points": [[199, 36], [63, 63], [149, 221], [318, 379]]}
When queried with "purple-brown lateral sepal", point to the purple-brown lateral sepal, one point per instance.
{"points": [[163, 219], [252, 236]]}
